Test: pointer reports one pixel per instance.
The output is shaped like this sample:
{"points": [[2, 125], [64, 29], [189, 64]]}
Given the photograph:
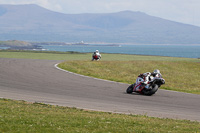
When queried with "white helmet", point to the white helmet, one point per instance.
{"points": [[97, 51], [156, 71]]}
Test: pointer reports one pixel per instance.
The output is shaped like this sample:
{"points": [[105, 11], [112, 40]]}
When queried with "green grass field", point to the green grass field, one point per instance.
{"points": [[84, 56], [181, 76], [21, 116]]}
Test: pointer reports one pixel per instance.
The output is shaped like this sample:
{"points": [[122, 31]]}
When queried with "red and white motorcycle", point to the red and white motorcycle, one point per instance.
{"points": [[96, 57], [149, 89]]}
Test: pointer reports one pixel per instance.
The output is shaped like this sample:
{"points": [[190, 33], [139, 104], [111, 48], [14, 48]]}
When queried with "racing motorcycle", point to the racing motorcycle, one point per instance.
{"points": [[150, 88], [96, 57]]}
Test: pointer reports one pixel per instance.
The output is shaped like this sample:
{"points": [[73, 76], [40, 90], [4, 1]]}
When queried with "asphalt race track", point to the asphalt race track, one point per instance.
{"points": [[39, 81]]}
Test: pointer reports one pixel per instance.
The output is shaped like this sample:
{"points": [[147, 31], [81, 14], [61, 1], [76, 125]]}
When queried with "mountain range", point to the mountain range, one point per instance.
{"points": [[34, 23]]}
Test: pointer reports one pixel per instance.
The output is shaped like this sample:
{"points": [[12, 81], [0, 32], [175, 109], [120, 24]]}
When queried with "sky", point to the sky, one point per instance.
{"points": [[184, 11]]}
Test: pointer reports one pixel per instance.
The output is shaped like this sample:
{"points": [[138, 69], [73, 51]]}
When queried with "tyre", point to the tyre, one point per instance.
{"points": [[150, 92], [129, 90]]}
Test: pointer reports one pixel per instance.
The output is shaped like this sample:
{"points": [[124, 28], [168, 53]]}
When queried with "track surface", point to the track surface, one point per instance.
{"points": [[39, 81]]}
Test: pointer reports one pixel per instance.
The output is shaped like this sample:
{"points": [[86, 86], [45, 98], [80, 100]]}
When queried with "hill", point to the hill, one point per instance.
{"points": [[34, 23], [15, 44]]}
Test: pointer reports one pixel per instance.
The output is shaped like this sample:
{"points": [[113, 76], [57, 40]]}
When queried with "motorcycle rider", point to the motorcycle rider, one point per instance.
{"points": [[143, 80], [96, 55]]}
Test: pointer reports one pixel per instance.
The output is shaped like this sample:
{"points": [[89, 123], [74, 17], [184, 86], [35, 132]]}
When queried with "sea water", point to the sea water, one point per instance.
{"points": [[187, 51]]}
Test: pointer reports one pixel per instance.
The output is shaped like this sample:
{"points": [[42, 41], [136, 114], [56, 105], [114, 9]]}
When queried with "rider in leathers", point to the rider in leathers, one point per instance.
{"points": [[97, 54], [143, 80]]}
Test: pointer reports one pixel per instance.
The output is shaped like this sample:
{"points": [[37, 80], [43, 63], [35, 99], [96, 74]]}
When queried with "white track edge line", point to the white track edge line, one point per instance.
{"points": [[56, 66]]}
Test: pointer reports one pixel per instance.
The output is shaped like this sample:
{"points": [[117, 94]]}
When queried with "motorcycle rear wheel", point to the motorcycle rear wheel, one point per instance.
{"points": [[150, 92]]}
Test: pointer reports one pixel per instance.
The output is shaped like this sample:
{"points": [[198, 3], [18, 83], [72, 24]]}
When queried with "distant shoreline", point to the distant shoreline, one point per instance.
{"points": [[140, 44], [102, 43]]}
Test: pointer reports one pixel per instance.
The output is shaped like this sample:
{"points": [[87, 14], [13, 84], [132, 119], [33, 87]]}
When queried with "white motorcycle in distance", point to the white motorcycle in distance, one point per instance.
{"points": [[151, 87]]}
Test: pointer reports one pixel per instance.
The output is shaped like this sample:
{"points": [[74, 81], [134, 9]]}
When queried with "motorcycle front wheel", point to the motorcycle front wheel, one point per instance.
{"points": [[129, 90]]}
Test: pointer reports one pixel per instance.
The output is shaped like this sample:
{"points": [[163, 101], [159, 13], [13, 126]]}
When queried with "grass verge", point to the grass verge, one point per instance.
{"points": [[21, 116], [183, 76], [46, 55], [53, 55]]}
